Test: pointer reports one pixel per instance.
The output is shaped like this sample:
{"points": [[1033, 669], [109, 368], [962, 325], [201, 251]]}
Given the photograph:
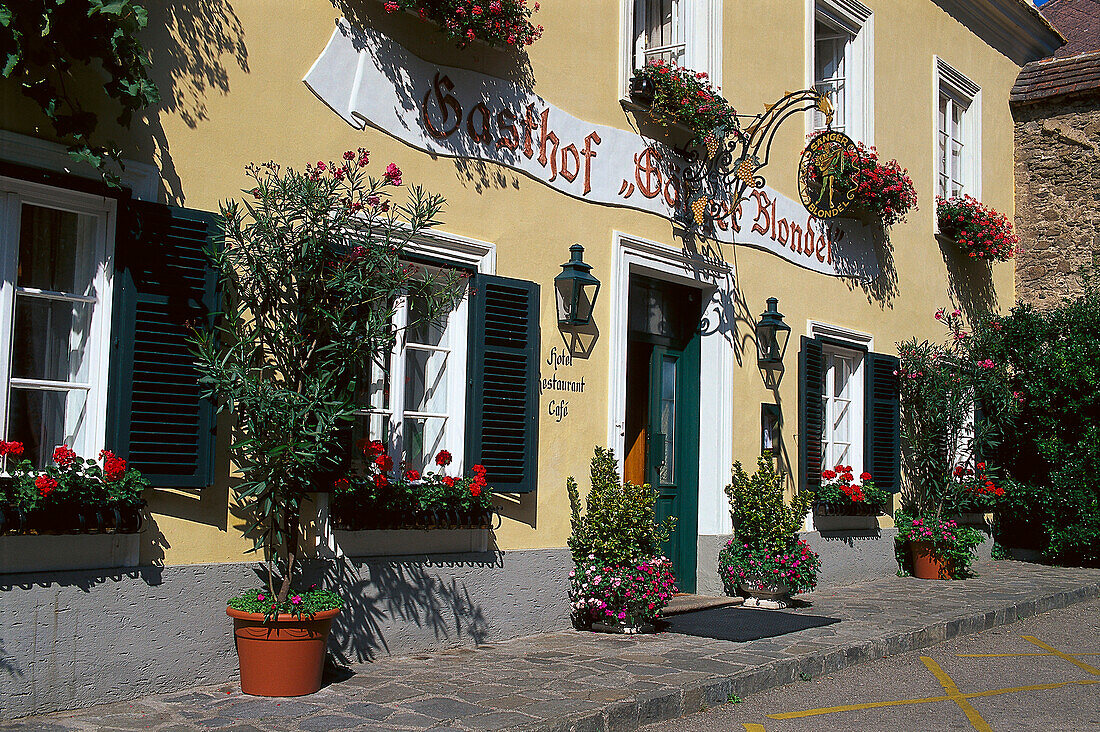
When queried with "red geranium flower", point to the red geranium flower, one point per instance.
{"points": [[44, 484], [385, 462], [63, 457], [443, 458], [412, 475]]}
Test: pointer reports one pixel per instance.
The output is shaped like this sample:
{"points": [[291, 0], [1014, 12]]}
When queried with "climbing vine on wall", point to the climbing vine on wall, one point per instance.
{"points": [[43, 41]]}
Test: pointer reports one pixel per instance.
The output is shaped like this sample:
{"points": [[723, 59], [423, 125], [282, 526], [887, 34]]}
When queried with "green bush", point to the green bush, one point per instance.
{"points": [[761, 518], [618, 525], [1052, 459]]}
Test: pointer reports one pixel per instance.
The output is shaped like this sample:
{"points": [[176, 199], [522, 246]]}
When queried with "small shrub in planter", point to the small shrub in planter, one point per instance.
{"points": [[766, 546], [378, 496], [504, 23], [73, 494], [761, 569], [684, 97], [979, 231], [617, 535], [838, 495], [883, 190]]}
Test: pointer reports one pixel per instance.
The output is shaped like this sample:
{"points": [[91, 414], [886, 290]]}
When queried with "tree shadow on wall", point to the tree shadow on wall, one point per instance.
{"points": [[970, 281], [382, 594], [188, 42]]}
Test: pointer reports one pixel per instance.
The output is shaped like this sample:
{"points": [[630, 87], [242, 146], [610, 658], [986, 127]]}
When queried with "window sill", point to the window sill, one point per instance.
{"points": [[66, 552], [398, 542]]}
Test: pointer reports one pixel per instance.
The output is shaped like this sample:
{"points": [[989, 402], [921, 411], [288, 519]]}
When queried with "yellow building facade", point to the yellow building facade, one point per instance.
{"points": [[304, 81]]}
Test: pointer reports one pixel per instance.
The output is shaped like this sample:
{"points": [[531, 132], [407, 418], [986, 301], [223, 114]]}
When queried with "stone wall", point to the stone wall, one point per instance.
{"points": [[74, 639], [1057, 197]]}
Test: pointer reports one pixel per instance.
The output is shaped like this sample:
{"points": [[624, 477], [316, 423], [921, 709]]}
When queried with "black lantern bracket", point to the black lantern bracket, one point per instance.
{"points": [[576, 290], [772, 336]]}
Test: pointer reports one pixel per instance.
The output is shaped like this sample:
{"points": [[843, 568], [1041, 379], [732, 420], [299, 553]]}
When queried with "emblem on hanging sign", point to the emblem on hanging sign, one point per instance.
{"points": [[825, 182]]}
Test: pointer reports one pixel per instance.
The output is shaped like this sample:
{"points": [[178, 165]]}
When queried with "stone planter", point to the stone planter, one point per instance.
{"points": [[623, 629], [762, 588]]}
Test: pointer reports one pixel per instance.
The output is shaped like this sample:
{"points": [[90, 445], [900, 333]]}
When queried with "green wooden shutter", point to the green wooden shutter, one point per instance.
{"points": [[502, 382], [811, 416], [882, 438], [157, 419]]}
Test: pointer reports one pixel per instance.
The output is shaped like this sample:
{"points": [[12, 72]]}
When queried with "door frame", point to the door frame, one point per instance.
{"points": [[633, 255]]}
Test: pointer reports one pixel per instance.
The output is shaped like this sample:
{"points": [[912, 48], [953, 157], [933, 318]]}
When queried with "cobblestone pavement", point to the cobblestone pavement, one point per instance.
{"points": [[582, 682]]}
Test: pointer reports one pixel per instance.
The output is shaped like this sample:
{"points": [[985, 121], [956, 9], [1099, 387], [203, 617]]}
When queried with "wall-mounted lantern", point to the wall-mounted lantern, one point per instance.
{"points": [[772, 335], [576, 289]]}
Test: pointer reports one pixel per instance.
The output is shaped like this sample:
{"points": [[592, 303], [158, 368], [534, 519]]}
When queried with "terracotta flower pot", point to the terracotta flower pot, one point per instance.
{"points": [[283, 657], [926, 563]]}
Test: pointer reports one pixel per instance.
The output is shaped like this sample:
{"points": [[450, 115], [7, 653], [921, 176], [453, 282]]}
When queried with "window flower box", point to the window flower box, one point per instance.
{"points": [[977, 230], [497, 23], [73, 514], [679, 98]]}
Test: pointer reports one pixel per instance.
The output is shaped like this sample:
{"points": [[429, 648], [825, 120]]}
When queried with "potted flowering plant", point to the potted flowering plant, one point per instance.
{"points": [[767, 574], [675, 96], [502, 23], [940, 548], [766, 560], [940, 386], [620, 581], [882, 190], [311, 267], [976, 491], [621, 598], [979, 231]]}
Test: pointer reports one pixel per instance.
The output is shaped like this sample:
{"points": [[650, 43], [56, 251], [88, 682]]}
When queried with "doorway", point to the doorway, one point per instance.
{"points": [[662, 409]]}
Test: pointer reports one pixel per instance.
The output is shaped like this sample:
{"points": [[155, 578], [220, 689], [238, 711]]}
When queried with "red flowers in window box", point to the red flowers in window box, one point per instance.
{"points": [[684, 97], [502, 23], [978, 230], [839, 493]]}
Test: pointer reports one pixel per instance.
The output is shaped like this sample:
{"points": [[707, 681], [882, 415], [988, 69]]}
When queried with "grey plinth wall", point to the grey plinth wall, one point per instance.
{"points": [[73, 639], [847, 557]]}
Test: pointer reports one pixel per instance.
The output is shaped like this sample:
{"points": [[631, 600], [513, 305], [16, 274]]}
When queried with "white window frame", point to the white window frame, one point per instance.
{"points": [[961, 91], [14, 194], [856, 19], [702, 34], [854, 344], [458, 251]]}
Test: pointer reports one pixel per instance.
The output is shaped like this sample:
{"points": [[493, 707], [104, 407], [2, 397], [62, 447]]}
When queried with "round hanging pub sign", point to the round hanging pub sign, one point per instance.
{"points": [[825, 174]]}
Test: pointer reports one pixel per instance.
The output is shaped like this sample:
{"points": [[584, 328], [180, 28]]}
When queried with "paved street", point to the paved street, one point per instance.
{"points": [[1007, 678], [590, 682]]}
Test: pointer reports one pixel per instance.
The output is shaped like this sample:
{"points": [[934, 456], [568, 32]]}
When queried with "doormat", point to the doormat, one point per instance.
{"points": [[741, 625]]}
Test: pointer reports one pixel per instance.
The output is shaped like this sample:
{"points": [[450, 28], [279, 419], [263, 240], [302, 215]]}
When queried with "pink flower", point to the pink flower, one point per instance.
{"points": [[296, 600], [393, 175]]}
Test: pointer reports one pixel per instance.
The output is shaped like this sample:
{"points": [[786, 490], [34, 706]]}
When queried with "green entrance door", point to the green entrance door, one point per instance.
{"points": [[672, 450]]}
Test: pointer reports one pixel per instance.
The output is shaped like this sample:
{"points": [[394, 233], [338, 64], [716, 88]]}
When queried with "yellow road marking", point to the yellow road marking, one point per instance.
{"points": [[928, 699], [1017, 655], [753, 727], [1081, 664], [952, 690]]}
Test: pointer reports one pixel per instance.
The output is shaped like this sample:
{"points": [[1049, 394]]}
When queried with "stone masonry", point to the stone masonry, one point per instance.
{"points": [[1057, 198]]}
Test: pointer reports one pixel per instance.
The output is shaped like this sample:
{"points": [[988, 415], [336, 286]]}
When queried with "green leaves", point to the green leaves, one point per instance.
{"points": [[761, 517], [43, 38], [618, 525]]}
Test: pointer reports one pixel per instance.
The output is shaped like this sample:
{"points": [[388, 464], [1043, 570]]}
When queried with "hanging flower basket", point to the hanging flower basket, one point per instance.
{"points": [[882, 191], [498, 23], [977, 230]]}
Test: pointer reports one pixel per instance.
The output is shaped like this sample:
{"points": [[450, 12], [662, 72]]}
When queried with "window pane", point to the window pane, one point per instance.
{"points": [[51, 339], [425, 381], [42, 420], [424, 438], [668, 417], [421, 329], [55, 252]]}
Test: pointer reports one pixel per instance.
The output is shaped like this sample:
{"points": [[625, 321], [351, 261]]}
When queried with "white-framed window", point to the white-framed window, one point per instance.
{"points": [[958, 133], [842, 402], [55, 303], [841, 64], [681, 32], [416, 401]]}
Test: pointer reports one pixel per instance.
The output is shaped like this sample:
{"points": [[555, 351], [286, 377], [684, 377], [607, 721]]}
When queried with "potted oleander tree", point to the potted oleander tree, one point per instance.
{"points": [[311, 266]]}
